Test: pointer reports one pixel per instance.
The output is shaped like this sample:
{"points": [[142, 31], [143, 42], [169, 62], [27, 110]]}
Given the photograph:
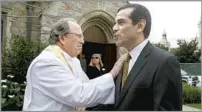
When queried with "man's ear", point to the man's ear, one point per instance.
{"points": [[141, 25], [61, 39]]}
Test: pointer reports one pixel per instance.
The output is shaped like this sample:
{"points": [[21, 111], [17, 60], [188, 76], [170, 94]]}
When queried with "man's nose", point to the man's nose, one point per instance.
{"points": [[82, 41], [115, 28]]}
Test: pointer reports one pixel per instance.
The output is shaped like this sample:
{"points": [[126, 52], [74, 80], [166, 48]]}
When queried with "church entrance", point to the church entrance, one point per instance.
{"points": [[96, 42], [108, 52], [98, 36]]}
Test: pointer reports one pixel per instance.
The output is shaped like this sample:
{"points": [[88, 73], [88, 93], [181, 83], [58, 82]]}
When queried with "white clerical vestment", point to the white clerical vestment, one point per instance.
{"points": [[56, 85]]}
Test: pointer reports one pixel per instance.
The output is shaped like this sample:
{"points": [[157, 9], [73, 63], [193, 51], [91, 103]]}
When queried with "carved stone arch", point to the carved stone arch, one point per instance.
{"points": [[101, 19]]}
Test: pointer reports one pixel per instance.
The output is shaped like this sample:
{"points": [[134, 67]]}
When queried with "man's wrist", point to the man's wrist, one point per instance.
{"points": [[111, 73]]}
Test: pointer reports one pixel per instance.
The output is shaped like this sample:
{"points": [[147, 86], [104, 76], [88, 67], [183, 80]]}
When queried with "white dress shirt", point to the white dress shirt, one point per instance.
{"points": [[52, 86], [135, 52]]}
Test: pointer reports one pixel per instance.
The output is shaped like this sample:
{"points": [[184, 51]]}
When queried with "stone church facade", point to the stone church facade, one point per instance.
{"points": [[33, 20]]}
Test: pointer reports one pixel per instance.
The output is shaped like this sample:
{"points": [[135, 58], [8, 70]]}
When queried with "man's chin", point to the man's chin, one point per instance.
{"points": [[118, 44], [78, 52]]}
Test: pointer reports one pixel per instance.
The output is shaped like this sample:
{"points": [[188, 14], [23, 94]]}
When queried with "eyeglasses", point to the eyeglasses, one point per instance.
{"points": [[94, 57], [80, 36]]}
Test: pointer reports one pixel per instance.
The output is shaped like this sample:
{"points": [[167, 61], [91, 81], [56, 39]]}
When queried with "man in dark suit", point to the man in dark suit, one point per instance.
{"points": [[153, 79]]}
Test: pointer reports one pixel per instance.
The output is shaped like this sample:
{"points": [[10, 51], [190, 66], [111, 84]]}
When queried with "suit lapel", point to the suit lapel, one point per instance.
{"points": [[138, 66]]}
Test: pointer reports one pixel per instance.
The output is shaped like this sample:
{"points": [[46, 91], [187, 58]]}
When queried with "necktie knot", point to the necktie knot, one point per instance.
{"points": [[128, 57]]}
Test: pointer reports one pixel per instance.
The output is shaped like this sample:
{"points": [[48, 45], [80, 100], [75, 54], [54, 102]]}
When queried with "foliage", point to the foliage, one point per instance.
{"points": [[16, 59], [194, 105], [191, 94], [161, 46], [188, 51], [12, 94]]}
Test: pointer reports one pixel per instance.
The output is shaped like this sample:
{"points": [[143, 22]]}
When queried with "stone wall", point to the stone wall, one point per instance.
{"points": [[77, 10], [19, 22], [45, 14], [87, 13], [13, 19]]}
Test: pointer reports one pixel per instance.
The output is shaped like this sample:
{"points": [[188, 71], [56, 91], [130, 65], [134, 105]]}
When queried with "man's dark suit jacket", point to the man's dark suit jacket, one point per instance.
{"points": [[154, 83]]}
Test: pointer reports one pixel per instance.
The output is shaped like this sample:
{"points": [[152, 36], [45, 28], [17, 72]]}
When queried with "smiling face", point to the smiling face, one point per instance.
{"points": [[123, 29], [72, 41], [127, 34]]}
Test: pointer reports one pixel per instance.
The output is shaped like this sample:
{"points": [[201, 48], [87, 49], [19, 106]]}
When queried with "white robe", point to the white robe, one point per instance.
{"points": [[52, 86]]}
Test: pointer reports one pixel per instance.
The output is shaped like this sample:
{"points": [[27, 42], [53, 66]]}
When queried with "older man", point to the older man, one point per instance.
{"points": [[55, 79]]}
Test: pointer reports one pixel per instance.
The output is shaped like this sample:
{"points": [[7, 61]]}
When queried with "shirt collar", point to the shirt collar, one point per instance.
{"points": [[138, 49]]}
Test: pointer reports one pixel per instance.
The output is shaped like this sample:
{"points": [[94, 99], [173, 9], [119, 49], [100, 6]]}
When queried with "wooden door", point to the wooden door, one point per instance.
{"points": [[96, 42], [108, 52], [109, 56]]}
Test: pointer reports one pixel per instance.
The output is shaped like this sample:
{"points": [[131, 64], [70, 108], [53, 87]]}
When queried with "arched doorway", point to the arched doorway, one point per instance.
{"points": [[96, 43], [97, 30]]}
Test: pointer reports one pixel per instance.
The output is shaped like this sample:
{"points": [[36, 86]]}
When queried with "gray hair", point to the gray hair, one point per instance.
{"points": [[59, 28]]}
